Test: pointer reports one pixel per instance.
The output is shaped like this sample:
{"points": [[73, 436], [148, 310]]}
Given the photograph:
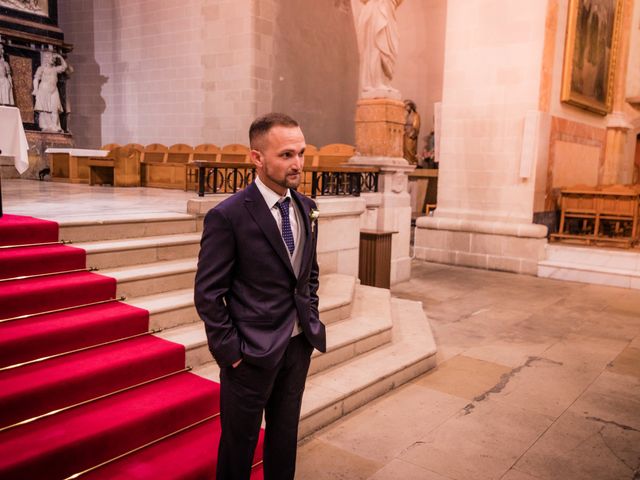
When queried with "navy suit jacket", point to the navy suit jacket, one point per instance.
{"points": [[246, 291]]}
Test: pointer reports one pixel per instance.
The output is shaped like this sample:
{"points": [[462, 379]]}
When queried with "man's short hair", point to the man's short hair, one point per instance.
{"points": [[263, 124]]}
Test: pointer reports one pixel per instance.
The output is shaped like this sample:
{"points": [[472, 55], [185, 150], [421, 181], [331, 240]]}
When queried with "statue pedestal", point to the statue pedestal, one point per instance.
{"points": [[379, 127]]}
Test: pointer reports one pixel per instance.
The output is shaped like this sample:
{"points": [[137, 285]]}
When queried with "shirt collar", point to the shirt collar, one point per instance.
{"points": [[270, 197]]}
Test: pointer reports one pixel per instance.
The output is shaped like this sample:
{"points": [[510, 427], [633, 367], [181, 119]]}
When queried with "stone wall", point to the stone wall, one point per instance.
{"points": [[314, 80], [138, 71], [200, 70]]}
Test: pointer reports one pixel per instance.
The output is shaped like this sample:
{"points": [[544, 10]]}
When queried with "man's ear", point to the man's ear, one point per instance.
{"points": [[256, 158]]}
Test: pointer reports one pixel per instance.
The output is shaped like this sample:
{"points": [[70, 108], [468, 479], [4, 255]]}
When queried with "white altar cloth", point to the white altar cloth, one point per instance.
{"points": [[13, 141]]}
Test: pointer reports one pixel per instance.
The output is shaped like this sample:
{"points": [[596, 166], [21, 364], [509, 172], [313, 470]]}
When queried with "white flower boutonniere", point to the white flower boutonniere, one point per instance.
{"points": [[313, 216]]}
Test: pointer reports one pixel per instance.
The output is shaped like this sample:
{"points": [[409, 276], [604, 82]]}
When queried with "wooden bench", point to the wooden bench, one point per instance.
{"points": [[121, 168], [599, 215]]}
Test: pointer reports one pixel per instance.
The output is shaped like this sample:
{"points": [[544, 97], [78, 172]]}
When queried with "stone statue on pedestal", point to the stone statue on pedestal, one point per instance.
{"points": [[6, 84], [378, 41], [411, 132], [45, 89]]}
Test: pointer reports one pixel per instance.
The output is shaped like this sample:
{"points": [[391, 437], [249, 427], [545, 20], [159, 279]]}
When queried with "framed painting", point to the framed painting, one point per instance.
{"points": [[591, 44], [34, 7]]}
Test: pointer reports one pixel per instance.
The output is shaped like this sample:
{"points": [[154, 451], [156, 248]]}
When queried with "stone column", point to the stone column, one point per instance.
{"points": [[491, 142]]}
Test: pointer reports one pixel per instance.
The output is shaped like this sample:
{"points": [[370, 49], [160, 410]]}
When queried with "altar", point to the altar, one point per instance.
{"points": [[13, 141]]}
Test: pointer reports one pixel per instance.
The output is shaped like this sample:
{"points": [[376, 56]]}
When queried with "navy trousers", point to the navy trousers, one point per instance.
{"points": [[245, 393]]}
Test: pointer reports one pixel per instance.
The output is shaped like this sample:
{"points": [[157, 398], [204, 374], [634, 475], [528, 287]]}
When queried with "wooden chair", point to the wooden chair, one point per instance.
{"points": [[310, 160], [235, 153], [335, 154], [154, 172], [617, 219], [178, 157], [110, 146], [578, 203], [135, 146]]}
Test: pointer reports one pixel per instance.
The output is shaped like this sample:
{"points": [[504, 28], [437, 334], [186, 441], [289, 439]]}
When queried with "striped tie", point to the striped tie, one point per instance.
{"points": [[287, 234]]}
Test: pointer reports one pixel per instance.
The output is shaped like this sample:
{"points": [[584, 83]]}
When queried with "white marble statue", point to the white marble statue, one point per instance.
{"points": [[45, 89], [378, 42], [6, 85]]}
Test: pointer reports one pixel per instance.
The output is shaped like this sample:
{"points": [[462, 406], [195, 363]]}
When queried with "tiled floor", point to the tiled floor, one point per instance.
{"points": [[537, 378]]}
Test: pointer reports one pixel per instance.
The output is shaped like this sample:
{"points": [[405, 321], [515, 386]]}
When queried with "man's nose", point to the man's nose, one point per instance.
{"points": [[298, 162]]}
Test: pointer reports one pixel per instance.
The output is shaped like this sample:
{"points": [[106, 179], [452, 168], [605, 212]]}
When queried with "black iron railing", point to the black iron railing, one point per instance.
{"points": [[340, 180], [229, 177]]}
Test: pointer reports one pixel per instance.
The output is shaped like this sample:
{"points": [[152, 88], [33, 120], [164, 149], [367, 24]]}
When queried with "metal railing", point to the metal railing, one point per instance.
{"points": [[229, 177]]}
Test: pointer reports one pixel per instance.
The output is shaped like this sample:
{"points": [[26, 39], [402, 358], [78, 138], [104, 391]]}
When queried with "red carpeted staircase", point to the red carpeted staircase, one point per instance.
{"points": [[84, 386]]}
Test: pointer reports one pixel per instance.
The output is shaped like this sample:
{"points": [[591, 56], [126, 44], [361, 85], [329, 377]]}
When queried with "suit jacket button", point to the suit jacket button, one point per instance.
{"points": [[295, 291]]}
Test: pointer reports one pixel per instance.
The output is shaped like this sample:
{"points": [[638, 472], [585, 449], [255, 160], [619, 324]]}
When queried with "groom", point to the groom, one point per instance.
{"points": [[256, 291]]}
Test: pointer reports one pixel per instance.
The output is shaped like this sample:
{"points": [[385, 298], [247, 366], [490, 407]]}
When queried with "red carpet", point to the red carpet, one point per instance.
{"points": [[118, 387], [19, 230], [40, 259]]}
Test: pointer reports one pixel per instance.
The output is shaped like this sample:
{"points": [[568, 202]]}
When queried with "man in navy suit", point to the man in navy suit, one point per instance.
{"points": [[256, 291]]}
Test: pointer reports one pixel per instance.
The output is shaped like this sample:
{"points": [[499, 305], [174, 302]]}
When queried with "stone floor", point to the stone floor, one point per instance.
{"points": [[537, 379], [65, 201]]}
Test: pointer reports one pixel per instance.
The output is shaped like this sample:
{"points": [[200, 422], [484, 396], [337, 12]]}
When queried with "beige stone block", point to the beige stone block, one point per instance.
{"points": [[472, 260], [432, 238], [526, 248], [149, 286], [400, 270], [464, 377], [328, 262], [460, 241], [399, 470], [505, 264], [312, 463], [576, 447], [173, 318], [485, 244], [338, 233], [348, 261], [384, 432], [379, 127]]}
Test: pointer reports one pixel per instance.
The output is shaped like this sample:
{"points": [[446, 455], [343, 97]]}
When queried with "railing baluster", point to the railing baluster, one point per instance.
{"points": [[201, 174]]}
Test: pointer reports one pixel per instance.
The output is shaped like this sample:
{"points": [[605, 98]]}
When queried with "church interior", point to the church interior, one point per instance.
{"points": [[476, 167]]}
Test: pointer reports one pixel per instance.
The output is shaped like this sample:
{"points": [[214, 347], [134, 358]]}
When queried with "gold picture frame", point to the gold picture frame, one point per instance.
{"points": [[591, 46]]}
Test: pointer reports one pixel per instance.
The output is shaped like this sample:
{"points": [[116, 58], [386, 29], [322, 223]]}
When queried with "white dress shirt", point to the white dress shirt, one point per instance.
{"points": [[295, 220]]}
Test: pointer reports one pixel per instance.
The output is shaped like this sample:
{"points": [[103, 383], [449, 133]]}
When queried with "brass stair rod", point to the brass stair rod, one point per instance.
{"points": [[65, 309], [48, 274]]}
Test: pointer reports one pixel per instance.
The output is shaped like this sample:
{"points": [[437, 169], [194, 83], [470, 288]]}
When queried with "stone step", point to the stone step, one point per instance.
{"points": [[368, 327], [194, 340], [176, 307], [589, 265], [106, 227], [136, 251], [168, 309], [333, 393], [345, 340], [336, 296], [152, 278]]}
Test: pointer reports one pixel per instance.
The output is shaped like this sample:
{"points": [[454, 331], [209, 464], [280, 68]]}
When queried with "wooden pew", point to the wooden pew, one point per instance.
{"points": [[235, 153]]}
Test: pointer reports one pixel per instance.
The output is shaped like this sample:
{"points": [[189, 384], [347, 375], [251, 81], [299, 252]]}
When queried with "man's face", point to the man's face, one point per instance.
{"points": [[279, 158]]}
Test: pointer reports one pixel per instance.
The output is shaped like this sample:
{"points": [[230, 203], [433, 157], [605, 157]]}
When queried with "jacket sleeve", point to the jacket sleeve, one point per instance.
{"points": [[213, 281], [314, 277]]}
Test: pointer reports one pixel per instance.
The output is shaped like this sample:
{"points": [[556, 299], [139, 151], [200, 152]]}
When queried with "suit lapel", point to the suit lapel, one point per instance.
{"points": [[304, 211], [262, 216]]}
